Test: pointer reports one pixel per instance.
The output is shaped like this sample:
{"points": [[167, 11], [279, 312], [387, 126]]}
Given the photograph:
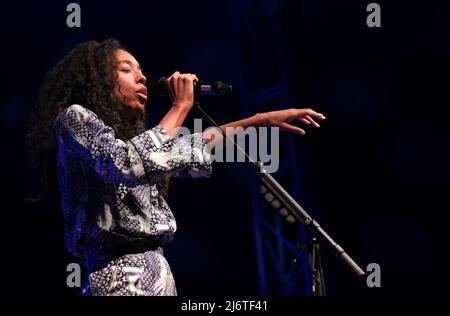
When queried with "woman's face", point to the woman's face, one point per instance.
{"points": [[130, 90]]}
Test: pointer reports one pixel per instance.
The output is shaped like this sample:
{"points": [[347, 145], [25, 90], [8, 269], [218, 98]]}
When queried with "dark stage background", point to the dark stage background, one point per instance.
{"points": [[376, 175]]}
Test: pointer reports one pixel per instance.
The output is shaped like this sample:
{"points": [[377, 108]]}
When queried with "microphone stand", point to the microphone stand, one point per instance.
{"points": [[315, 261], [273, 190]]}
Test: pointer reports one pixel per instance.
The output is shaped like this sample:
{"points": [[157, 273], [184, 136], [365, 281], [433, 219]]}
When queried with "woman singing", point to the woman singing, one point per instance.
{"points": [[112, 172]]}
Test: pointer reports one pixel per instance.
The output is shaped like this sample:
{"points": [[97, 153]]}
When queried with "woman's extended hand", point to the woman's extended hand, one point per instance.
{"points": [[282, 118], [275, 118]]}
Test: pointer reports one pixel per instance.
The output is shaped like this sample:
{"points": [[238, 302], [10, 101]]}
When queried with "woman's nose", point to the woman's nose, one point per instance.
{"points": [[141, 78]]}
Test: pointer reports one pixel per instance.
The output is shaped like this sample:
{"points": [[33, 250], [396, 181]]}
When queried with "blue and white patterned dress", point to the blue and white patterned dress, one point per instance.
{"points": [[115, 220]]}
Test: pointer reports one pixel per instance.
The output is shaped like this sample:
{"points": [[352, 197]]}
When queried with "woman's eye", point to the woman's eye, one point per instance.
{"points": [[125, 70]]}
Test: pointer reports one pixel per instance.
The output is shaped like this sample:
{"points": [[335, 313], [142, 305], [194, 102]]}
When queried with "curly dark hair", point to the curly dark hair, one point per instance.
{"points": [[87, 76]]}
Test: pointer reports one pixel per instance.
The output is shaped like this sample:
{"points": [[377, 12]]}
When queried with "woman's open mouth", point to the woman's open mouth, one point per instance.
{"points": [[142, 97]]}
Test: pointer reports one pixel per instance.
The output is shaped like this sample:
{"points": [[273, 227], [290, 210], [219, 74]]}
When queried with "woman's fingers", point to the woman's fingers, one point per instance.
{"points": [[181, 85], [307, 116], [283, 117], [320, 116], [310, 112], [193, 77], [188, 81], [295, 129], [310, 119], [172, 84], [305, 120]]}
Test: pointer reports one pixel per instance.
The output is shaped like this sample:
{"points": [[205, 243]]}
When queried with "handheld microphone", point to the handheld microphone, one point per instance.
{"points": [[159, 87]]}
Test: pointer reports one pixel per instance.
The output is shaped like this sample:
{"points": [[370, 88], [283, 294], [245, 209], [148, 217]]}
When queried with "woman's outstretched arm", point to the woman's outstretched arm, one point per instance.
{"points": [[182, 95], [279, 119]]}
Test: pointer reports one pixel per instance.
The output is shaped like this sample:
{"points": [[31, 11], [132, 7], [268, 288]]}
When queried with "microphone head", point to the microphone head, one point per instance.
{"points": [[158, 87]]}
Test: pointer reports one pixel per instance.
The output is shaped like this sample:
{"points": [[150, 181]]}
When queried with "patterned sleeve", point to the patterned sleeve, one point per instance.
{"points": [[146, 158], [185, 156], [193, 148]]}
